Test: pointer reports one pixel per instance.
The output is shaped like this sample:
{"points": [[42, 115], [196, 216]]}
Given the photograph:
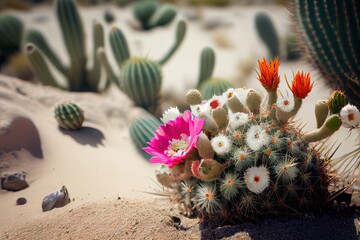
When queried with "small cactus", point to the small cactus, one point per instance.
{"points": [[69, 115], [248, 159], [76, 75], [140, 77], [267, 33], [151, 14], [142, 130], [336, 102], [208, 85]]}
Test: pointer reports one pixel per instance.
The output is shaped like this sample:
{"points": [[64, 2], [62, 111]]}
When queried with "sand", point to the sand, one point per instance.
{"points": [[107, 178]]}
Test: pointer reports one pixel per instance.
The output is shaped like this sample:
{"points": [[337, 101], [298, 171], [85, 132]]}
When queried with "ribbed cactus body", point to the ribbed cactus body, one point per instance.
{"points": [[11, 30], [267, 33], [330, 31], [207, 65], [69, 115], [142, 130], [336, 102], [150, 14], [214, 86], [78, 77], [141, 81]]}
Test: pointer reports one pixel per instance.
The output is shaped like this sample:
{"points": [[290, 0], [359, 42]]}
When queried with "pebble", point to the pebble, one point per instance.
{"points": [[14, 182], [21, 201]]}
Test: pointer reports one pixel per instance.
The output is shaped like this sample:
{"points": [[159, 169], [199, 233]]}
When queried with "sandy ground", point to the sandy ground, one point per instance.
{"points": [[99, 164]]}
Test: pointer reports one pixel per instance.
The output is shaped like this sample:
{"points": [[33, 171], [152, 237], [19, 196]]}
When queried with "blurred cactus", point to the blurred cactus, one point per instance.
{"points": [[123, 3], [330, 31], [11, 31], [151, 14], [142, 130], [69, 115], [293, 50], [109, 16], [252, 163], [140, 78], [267, 33], [218, 3], [207, 84], [78, 77]]}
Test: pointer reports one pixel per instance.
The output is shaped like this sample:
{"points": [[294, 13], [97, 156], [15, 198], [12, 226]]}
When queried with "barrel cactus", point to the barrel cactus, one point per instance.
{"points": [[69, 115], [11, 30], [232, 159], [330, 32], [267, 33], [76, 75], [140, 77], [207, 84], [151, 14]]}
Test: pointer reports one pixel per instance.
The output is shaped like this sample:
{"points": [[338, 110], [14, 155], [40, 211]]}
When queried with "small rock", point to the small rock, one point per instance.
{"points": [[21, 201], [14, 182], [56, 199]]}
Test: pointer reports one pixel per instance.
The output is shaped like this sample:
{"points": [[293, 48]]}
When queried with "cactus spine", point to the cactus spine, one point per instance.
{"points": [[208, 85], [267, 33], [150, 14], [69, 115], [142, 130], [79, 78], [140, 78], [330, 31]]}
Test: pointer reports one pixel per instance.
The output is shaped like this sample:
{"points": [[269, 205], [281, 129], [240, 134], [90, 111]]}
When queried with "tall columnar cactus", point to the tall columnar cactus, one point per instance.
{"points": [[76, 74], [267, 33], [69, 115], [208, 85], [151, 14], [11, 31], [140, 78], [330, 31], [142, 130], [231, 159]]}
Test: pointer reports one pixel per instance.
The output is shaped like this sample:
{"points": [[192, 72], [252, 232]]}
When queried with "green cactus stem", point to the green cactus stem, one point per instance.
{"points": [[142, 130], [267, 33], [207, 65], [11, 30], [253, 101], [336, 102], [330, 32], [77, 76], [331, 125], [321, 112], [214, 86], [69, 115]]}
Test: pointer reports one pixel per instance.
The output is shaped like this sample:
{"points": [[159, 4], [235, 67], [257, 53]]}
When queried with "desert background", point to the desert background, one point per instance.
{"points": [[109, 182]]}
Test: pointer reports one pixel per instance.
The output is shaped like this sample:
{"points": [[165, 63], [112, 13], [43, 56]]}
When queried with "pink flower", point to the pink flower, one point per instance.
{"points": [[175, 140]]}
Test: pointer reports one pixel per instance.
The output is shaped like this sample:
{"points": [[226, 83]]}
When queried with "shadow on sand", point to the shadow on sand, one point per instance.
{"points": [[330, 226], [86, 136]]}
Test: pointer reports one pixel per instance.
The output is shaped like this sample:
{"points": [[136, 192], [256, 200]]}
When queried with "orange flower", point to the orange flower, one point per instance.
{"points": [[269, 76], [301, 85]]}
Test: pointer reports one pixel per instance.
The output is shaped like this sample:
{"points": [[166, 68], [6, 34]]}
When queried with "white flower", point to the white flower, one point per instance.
{"points": [[170, 114], [350, 116], [256, 137], [285, 103], [221, 144], [257, 179], [238, 119]]}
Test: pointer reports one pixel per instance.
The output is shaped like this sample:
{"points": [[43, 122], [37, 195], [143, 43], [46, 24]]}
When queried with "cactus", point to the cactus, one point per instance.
{"points": [[267, 33], [293, 51], [69, 115], [140, 78], [150, 14], [76, 75], [11, 30], [142, 130], [336, 102], [109, 16], [251, 163], [330, 31], [208, 85]]}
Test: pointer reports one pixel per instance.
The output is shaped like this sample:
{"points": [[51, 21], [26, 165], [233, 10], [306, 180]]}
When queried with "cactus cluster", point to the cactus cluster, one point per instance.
{"points": [[69, 115], [140, 77], [248, 159], [11, 30], [330, 31], [76, 75], [207, 84], [151, 14]]}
